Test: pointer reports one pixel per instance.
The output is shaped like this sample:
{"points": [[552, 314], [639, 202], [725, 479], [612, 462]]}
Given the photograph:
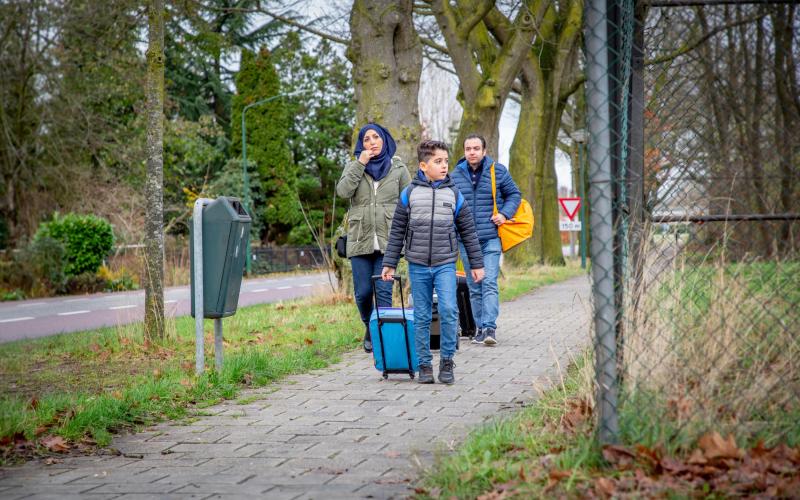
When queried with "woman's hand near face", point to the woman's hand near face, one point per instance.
{"points": [[365, 156]]}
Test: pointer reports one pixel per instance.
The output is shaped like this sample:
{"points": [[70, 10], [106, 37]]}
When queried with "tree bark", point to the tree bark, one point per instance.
{"points": [[153, 275], [486, 69], [387, 62], [547, 72]]}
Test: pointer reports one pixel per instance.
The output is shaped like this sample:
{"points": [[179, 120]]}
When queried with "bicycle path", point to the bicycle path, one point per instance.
{"points": [[340, 432]]}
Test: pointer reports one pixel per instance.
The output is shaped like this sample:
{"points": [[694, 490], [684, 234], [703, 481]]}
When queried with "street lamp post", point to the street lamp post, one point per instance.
{"points": [[245, 178], [580, 137]]}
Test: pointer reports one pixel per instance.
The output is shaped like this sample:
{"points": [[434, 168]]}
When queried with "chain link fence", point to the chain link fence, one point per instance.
{"points": [[693, 112]]}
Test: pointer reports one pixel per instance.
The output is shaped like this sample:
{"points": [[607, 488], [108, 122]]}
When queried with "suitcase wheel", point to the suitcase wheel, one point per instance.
{"points": [[385, 375], [411, 375]]}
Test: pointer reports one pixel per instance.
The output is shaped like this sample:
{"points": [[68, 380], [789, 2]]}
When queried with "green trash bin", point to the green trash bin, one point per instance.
{"points": [[226, 234]]}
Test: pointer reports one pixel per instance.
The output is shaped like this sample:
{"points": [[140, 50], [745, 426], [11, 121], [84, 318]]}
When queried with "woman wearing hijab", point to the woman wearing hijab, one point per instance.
{"points": [[373, 182]]}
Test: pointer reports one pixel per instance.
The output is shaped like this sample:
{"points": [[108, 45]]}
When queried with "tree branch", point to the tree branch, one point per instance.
{"points": [[284, 19], [573, 87], [693, 45], [430, 43], [468, 24], [508, 63]]}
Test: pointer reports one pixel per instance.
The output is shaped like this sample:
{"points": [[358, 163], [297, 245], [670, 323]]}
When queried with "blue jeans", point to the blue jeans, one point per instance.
{"points": [[484, 296], [424, 280], [364, 267]]}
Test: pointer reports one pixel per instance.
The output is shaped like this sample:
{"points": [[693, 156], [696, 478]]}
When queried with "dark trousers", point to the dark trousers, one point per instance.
{"points": [[364, 267]]}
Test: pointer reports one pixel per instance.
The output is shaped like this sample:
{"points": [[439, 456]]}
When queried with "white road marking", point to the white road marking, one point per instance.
{"points": [[258, 290], [72, 312], [283, 288], [306, 285], [12, 320], [32, 304], [122, 307], [74, 300], [170, 301]]}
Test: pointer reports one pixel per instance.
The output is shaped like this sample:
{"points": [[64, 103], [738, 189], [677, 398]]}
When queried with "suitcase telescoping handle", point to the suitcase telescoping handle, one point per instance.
{"points": [[380, 322], [399, 280]]}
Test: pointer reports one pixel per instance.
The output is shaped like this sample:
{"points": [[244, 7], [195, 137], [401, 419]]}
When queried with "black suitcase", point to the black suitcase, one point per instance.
{"points": [[436, 334], [466, 321]]}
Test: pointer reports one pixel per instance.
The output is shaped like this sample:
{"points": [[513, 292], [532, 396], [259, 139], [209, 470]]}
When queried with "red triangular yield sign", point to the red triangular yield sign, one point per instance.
{"points": [[570, 206]]}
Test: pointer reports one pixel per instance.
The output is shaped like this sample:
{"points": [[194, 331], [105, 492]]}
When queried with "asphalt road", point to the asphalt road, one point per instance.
{"points": [[39, 318]]}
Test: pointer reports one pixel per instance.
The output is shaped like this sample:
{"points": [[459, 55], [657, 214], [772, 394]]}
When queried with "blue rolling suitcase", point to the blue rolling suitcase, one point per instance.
{"points": [[392, 333]]}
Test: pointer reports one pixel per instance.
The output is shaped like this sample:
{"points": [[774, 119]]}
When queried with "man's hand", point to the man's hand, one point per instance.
{"points": [[499, 219], [477, 275], [365, 156], [387, 273]]}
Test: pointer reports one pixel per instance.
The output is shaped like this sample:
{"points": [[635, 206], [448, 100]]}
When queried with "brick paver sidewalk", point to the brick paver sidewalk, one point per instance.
{"points": [[341, 432]]}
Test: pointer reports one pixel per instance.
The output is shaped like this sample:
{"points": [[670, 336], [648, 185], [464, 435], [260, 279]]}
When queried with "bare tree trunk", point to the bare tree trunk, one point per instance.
{"points": [[486, 69], [387, 61], [787, 115], [548, 75], [153, 275], [533, 160]]}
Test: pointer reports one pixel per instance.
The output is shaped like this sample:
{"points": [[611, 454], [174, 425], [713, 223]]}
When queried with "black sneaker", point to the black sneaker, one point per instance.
{"points": [[489, 337], [367, 341], [425, 374], [446, 371]]}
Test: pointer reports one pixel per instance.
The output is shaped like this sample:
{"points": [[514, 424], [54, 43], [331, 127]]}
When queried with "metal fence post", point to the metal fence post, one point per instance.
{"points": [[600, 196]]}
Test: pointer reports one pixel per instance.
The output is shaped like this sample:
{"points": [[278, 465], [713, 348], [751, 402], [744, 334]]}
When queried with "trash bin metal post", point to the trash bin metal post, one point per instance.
{"points": [[218, 343], [197, 273]]}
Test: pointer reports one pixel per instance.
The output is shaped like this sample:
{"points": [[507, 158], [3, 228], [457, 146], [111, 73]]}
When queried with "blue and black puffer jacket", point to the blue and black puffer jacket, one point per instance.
{"points": [[479, 198], [426, 219]]}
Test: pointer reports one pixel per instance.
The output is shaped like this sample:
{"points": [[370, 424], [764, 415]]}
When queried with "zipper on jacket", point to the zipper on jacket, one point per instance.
{"points": [[433, 215]]}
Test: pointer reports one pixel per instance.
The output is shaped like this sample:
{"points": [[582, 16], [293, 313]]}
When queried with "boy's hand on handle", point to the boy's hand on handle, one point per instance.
{"points": [[477, 275], [387, 273], [365, 156]]}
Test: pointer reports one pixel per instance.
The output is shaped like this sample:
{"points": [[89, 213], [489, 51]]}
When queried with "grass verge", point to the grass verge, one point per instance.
{"points": [[73, 391], [710, 351]]}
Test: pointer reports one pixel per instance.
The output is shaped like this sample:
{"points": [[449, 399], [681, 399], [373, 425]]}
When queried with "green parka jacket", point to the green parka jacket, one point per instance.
{"points": [[371, 209]]}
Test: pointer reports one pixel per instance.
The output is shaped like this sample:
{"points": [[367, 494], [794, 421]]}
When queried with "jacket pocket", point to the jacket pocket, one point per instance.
{"points": [[354, 226], [453, 242]]}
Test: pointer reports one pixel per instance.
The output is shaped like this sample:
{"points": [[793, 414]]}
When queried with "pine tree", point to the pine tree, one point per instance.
{"points": [[267, 146]]}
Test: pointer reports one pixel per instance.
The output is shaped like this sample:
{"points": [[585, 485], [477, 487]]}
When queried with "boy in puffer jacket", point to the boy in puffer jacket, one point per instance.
{"points": [[428, 214]]}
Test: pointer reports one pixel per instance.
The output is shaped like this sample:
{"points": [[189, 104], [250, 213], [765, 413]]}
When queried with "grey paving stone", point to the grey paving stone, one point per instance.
{"points": [[343, 427]]}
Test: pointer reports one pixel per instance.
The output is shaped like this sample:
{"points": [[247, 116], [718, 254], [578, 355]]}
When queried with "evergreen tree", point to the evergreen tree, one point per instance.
{"points": [[267, 146], [321, 126], [202, 42]]}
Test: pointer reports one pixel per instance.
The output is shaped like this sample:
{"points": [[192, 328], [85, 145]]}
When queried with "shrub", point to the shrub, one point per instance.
{"points": [[15, 294], [87, 240], [119, 280], [44, 258], [85, 283]]}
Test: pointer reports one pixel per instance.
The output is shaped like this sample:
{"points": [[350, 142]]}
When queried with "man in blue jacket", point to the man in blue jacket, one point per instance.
{"points": [[472, 176]]}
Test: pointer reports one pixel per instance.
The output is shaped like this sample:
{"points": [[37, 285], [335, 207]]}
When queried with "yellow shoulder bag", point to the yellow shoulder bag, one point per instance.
{"points": [[516, 229]]}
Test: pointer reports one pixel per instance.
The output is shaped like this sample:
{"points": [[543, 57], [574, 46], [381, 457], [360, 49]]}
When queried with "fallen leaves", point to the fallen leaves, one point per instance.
{"points": [[717, 465], [55, 444], [579, 411], [620, 456], [714, 447]]}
